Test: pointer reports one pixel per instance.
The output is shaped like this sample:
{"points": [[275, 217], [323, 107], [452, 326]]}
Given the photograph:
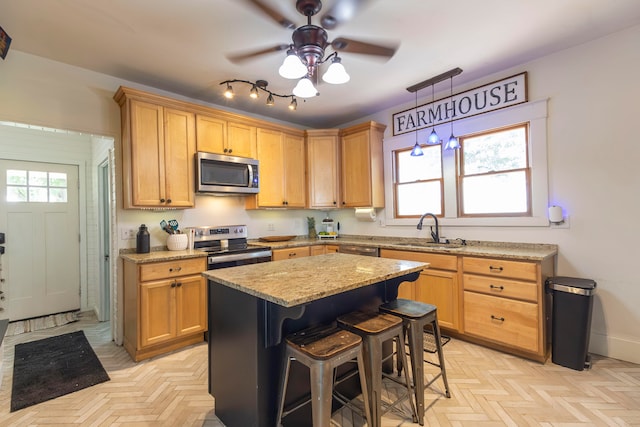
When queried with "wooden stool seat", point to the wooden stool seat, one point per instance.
{"points": [[376, 328], [322, 349], [415, 316]]}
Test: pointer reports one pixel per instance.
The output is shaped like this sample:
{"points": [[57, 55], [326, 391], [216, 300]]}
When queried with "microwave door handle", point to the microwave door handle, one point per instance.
{"points": [[250, 175]]}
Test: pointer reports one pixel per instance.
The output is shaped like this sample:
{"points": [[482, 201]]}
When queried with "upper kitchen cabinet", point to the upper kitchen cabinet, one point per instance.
{"points": [[217, 135], [282, 170], [362, 175], [158, 146], [323, 168]]}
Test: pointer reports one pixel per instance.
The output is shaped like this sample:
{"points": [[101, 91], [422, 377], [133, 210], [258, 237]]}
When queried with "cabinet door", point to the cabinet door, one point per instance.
{"points": [[241, 140], [191, 308], [356, 171], [179, 149], [157, 312], [295, 191], [269, 147], [323, 170], [211, 134], [440, 288], [317, 250], [146, 181]]}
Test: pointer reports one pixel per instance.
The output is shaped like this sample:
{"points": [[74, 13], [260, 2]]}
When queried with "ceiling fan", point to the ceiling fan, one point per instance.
{"points": [[310, 42]]}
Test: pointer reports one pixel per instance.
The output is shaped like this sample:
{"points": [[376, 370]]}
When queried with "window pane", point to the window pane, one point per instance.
{"points": [[499, 193], [417, 198], [16, 194], [15, 177], [37, 194], [496, 151], [57, 195], [57, 179], [38, 178], [425, 167]]}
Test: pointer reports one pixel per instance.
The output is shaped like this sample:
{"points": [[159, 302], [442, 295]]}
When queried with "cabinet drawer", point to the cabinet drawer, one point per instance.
{"points": [[289, 253], [510, 322], [168, 269], [527, 291], [439, 261], [499, 267]]}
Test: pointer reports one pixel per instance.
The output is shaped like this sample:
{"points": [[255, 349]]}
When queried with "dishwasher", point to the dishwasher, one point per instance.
{"points": [[359, 250]]}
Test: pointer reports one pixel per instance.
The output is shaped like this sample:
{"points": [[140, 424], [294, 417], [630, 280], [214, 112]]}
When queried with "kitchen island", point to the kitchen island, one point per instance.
{"points": [[252, 307]]}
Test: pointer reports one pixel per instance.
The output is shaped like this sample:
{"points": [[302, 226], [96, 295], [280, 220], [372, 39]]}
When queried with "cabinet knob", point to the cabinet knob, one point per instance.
{"points": [[173, 285], [168, 200], [178, 284], [161, 200]]}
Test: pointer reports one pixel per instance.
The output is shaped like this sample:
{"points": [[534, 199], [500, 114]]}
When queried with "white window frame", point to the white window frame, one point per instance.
{"points": [[535, 113]]}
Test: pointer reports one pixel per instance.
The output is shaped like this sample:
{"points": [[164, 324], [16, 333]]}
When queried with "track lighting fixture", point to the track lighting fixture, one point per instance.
{"points": [[254, 93]]}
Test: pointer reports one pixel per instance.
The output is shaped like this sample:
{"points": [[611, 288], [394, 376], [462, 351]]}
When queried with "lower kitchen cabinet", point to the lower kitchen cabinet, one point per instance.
{"points": [[164, 306], [437, 285], [290, 253], [505, 304]]}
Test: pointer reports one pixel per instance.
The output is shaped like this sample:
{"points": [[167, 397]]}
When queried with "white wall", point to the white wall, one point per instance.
{"points": [[592, 155]]}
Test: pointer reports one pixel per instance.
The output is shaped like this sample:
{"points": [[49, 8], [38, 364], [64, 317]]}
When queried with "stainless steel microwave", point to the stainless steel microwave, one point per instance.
{"points": [[221, 174]]}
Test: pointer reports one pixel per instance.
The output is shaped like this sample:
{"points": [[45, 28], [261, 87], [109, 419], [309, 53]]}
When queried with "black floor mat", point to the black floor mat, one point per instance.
{"points": [[52, 367]]}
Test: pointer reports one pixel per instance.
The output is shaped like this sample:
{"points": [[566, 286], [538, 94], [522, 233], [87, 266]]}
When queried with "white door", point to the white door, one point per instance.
{"points": [[40, 219]]}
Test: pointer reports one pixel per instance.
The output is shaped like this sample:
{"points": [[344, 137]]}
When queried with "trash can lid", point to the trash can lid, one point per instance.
{"points": [[572, 285]]}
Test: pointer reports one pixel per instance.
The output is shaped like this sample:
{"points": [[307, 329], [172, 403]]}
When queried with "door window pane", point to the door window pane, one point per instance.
{"points": [[36, 186]]}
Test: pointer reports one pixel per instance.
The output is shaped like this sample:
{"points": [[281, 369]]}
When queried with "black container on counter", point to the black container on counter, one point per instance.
{"points": [[142, 240]]}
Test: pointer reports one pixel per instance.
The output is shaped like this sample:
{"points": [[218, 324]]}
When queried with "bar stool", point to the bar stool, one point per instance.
{"points": [[415, 316], [375, 329], [322, 349]]}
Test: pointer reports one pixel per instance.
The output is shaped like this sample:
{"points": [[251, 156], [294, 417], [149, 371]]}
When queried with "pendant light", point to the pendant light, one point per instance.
{"points": [[417, 150], [453, 143], [433, 137]]}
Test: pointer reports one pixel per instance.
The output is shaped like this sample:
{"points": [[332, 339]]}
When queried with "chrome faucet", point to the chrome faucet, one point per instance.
{"points": [[435, 235]]}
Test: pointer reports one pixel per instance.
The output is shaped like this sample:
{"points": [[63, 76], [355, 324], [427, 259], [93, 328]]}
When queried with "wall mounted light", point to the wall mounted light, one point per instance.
{"points": [[555, 215], [254, 92]]}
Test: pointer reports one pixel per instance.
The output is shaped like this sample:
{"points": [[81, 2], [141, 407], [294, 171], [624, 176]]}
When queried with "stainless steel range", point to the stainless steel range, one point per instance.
{"points": [[227, 246]]}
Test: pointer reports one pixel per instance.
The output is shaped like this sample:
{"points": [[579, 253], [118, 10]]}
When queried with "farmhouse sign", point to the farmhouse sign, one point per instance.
{"points": [[496, 95]]}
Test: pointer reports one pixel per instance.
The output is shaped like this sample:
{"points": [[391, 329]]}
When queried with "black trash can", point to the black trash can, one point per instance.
{"points": [[571, 320]]}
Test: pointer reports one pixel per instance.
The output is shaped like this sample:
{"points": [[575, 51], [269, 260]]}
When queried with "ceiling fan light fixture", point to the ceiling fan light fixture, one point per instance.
{"points": [[292, 67], [336, 73], [228, 92], [305, 88]]}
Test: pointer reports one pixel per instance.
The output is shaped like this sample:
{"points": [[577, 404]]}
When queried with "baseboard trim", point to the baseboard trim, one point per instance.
{"points": [[615, 347]]}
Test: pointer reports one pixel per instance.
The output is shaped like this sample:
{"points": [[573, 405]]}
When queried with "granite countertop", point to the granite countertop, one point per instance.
{"points": [[161, 255], [506, 250], [298, 281]]}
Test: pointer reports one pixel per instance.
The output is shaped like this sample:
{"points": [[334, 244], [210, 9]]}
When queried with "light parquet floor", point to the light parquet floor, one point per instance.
{"points": [[488, 389]]}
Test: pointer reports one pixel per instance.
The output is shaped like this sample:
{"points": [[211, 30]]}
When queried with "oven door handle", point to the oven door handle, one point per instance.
{"points": [[235, 257]]}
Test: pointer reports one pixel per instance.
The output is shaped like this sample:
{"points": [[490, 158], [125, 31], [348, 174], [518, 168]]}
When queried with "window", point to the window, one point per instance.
{"points": [[36, 186], [494, 173], [418, 182]]}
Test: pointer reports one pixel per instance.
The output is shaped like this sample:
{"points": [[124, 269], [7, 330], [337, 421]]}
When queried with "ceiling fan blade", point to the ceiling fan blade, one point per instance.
{"points": [[240, 57], [341, 12], [274, 14], [342, 44]]}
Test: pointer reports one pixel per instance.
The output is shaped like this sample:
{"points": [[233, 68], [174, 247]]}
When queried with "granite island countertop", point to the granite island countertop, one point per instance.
{"points": [[505, 250], [298, 281]]}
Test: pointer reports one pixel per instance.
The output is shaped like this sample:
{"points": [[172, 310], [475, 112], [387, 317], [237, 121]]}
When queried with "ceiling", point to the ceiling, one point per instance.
{"points": [[182, 46]]}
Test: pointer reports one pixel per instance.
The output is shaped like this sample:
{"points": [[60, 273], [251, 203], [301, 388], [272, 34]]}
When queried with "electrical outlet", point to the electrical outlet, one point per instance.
{"points": [[271, 227], [127, 233]]}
